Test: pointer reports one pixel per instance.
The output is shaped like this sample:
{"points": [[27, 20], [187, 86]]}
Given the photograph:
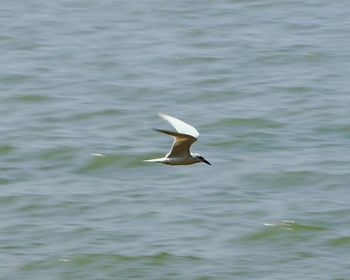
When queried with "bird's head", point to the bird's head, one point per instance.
{"points": [[201, 159]]}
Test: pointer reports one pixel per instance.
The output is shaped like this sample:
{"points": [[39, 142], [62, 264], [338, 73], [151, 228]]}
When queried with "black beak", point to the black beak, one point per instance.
{"points": [[205, 161]]}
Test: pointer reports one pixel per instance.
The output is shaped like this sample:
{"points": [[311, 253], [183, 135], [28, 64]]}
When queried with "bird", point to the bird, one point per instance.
{"points": [[185, 136]]}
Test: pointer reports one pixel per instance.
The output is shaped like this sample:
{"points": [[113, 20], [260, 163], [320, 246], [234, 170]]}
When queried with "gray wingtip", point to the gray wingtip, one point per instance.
{"points": [[162, 115]]}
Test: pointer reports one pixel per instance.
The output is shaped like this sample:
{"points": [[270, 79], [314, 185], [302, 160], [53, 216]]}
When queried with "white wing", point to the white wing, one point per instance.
{"points": [[180, 126], [181, 145]]}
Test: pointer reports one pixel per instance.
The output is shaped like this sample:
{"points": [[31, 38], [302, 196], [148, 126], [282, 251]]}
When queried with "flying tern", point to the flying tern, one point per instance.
{"points": [[185, 136]]}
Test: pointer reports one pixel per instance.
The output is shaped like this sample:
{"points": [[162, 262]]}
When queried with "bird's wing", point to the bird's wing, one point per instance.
{"points": [[180, 126], [181, 145]]}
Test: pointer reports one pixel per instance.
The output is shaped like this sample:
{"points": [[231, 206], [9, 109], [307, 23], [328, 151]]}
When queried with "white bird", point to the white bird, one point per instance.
{"points": [[185, 136]]}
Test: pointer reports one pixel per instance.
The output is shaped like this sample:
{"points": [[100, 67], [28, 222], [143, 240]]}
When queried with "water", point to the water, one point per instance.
{"points": [[265, 82]]}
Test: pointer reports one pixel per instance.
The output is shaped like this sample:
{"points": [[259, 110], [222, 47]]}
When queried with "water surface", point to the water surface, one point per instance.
{"points": [[265, 83]]}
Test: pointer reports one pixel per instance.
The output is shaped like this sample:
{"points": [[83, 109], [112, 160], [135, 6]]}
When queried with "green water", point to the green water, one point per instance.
{"points": [[265, 83]]}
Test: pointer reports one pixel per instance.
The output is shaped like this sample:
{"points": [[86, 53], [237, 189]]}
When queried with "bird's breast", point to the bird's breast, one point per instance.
{"points": [[181, 161]]}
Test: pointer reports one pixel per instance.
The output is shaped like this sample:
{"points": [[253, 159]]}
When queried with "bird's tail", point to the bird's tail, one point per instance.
{"points": [[157, 160]]}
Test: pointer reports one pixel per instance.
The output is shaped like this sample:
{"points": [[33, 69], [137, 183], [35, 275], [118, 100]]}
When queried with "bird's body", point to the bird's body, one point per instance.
{"points": [[185, 136], [175, 161]]}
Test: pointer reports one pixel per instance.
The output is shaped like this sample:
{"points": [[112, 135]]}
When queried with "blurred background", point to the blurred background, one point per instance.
{"points": [[266, 83]]}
